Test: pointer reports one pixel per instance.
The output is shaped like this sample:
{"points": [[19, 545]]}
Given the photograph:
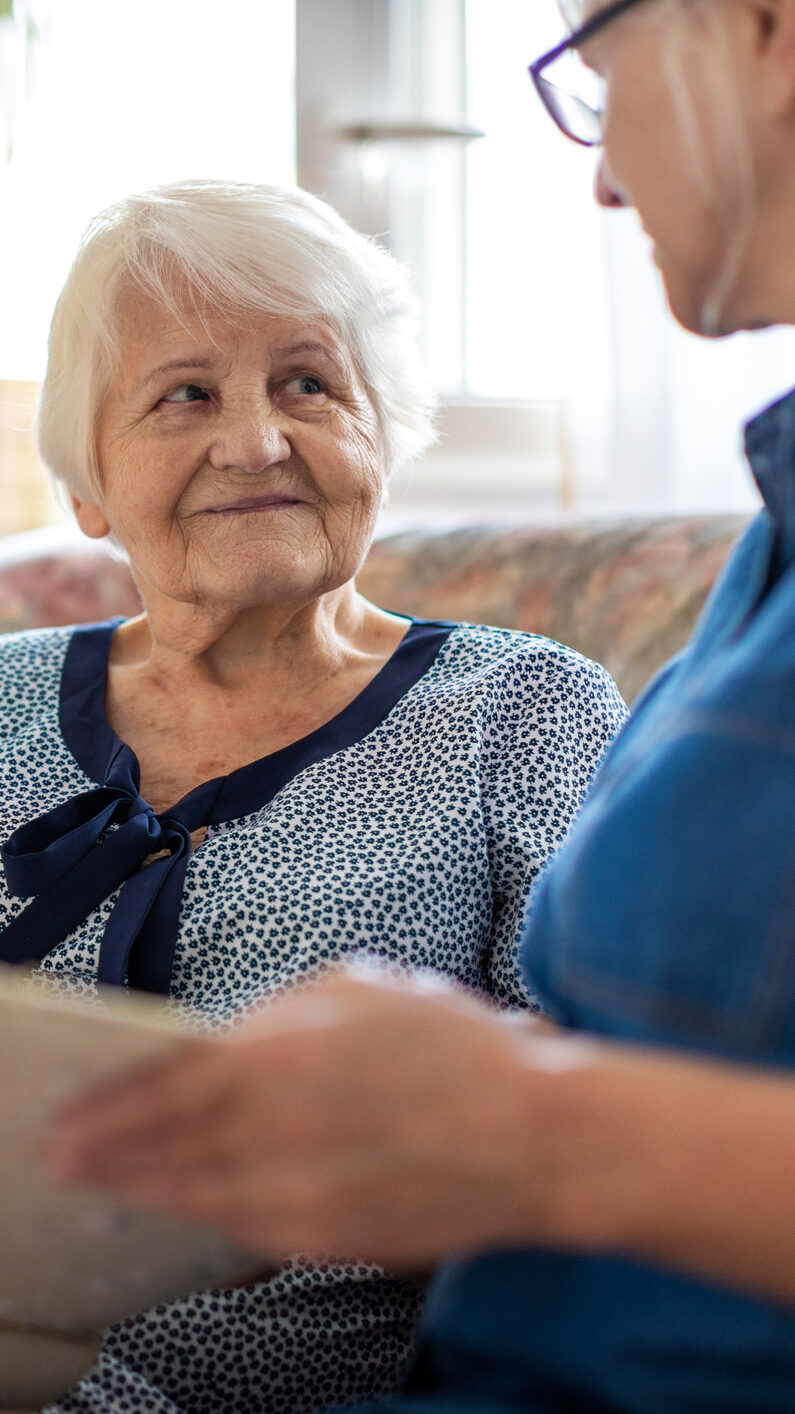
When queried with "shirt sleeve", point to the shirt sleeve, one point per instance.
{"points": [[554, 714], [669, 917], [109, 1387]]}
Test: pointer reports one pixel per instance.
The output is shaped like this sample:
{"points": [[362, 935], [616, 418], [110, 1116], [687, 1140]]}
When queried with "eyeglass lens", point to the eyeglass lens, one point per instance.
{"points": [[574, 95]]}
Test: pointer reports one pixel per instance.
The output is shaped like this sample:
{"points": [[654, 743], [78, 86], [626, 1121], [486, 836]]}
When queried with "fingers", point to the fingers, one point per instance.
{"points": [[204, 1111], [309, 1065], [195, 1079], [355, 1117], [154, 1106]]}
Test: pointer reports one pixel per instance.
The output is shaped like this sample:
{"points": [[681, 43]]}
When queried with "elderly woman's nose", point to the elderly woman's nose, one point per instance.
{"points": [[250, 440], [606, 188]]}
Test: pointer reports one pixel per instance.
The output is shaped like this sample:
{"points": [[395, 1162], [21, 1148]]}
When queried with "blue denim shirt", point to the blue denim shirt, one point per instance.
{"points": [[668, 917]]}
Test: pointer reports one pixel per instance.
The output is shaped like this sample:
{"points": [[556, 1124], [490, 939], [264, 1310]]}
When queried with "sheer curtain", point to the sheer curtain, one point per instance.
{"points": [[127, 95], [561, 371], [546, 320], [122, 96], [564, 301]]}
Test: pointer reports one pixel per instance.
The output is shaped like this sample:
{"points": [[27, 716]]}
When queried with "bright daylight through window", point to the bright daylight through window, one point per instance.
{"points": [[546, 328], [111, 99], [416, 118]]}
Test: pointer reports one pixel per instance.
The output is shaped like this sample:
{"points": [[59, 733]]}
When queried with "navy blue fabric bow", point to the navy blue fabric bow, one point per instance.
{"points": [[71, 858]]}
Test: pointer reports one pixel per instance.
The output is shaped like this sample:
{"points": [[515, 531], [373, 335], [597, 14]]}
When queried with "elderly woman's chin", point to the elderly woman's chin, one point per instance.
{"points": [[713, 299], [267, 573], [260, 567]]}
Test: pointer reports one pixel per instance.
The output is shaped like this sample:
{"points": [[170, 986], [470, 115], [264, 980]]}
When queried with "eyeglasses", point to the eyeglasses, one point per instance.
{"points": [[578, 114]]}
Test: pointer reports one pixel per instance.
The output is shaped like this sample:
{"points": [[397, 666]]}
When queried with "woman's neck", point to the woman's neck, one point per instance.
{"points": [[197, 697], [192, 648]]}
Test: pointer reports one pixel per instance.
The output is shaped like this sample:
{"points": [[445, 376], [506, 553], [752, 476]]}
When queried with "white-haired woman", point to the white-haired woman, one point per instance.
{"points": [[647, 1197], [263, 772]]}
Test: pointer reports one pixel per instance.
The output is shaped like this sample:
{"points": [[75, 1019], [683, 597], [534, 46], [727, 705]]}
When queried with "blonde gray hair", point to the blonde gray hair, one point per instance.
{"points": [[716, 139], [239, 250], [710, 117]]}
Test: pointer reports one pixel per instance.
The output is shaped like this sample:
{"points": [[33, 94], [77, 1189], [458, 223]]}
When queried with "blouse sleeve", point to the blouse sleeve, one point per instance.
{"points": [[109, 1387], [554, 714]]}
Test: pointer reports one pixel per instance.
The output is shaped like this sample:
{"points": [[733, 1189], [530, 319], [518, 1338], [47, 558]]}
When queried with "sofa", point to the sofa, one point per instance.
{"points": [[625, 591]]}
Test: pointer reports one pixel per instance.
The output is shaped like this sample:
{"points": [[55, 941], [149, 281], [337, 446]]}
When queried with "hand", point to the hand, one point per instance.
{"points": [[403, 1121], [363, 1115]]}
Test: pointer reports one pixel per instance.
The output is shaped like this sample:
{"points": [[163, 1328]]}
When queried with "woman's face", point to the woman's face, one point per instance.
{"points": [[239, 461], [648, 162]]}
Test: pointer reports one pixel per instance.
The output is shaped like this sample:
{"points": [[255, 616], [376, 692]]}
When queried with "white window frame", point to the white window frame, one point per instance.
{"points": [[496, 458]]}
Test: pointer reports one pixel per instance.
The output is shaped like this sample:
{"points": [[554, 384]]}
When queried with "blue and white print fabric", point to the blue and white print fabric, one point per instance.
{"points": [[418, 842]]}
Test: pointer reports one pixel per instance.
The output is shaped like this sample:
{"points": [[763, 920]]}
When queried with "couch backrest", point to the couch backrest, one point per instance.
{"points": [[626, 592]]}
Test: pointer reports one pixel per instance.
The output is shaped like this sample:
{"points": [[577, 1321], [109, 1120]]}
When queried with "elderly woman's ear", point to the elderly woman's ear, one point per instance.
{"points": [[90, 517]]}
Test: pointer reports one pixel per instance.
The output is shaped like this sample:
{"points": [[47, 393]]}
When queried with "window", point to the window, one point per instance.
{"points": [[122, 96], [566, 384]]}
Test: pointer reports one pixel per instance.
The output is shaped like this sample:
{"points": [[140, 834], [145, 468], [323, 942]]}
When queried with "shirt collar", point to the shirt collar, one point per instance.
{"points": [[770, 448]]}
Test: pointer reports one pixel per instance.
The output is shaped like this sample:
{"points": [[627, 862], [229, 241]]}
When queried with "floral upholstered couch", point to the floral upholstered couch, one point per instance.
{"points": [[625, 592]]}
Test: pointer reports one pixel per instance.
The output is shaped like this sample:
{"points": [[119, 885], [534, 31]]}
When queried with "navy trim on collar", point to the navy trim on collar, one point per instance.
{"points": [[70, 859], [104, 757]]}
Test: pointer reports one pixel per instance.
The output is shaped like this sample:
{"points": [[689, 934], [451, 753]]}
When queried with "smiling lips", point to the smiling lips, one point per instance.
{"points": [[248, 504]]}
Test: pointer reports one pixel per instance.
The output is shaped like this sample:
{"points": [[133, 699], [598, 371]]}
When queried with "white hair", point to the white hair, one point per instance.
{"points": [[239, 250]]}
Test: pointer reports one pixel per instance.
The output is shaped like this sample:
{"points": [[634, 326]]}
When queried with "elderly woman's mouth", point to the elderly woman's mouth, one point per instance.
{"points": [[248, 504]]}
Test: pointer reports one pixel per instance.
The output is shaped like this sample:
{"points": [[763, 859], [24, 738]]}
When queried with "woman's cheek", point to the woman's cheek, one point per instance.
{"points": [[366, 453]]}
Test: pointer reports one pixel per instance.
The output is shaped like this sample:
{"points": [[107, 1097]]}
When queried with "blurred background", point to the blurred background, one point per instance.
{"points": [[566, 389]]}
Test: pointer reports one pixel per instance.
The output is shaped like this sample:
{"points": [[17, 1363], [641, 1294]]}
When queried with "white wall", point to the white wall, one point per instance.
{"points": [[127, 95]]}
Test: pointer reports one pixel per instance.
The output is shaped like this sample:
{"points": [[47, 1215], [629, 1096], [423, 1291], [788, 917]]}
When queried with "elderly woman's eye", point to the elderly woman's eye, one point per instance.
{"points": [[305, 383], [186, 393]]}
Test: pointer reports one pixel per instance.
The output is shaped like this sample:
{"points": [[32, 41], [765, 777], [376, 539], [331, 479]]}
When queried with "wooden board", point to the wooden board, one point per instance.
{"points": [[35, 1369], [74, 1261]]}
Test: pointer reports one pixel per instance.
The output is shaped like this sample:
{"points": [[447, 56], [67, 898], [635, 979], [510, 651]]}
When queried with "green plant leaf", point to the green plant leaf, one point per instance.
{"points": [[6, 9]]}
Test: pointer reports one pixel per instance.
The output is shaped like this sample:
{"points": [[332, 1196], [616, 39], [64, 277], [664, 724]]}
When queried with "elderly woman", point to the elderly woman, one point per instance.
{"points": [[660, 1184], [263, 772]]}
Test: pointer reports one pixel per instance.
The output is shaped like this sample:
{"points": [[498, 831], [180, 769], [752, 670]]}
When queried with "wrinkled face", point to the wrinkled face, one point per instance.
{"points": [[660, 155], [239, 462]]}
